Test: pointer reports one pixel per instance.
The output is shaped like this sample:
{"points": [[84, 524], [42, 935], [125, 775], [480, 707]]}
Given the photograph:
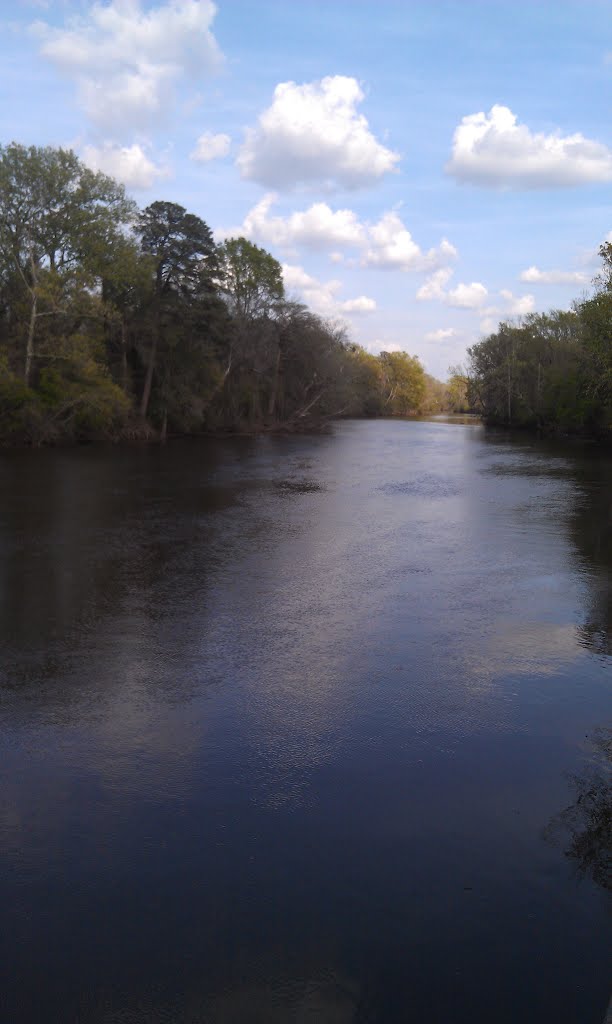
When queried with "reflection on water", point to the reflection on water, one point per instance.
{"points": [[587, 822], [282, 721]]}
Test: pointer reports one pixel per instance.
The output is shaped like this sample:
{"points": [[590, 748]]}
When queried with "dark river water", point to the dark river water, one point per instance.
{"points": [[300, 729]]}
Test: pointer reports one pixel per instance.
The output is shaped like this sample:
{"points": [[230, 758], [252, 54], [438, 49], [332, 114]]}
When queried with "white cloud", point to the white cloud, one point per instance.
{"points": [[317, 227], [510, 305], [360, 305], [494, 149], [533, 275], [463, 296], [129, 164], [391, 246], [296, 277], [126, 60], [378, 345], [472, 296], [517, 305], [312, 134], [211, 147], [321, 296], [489, 324], [386, 244], [433, 287], [441, 334], [467, 296]]}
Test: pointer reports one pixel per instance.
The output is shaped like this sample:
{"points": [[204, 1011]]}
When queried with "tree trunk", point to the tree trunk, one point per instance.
{"points": [[32, 325], [220, 384], [30, 342], [124, 362], [255, 407], [274, 392], [509, 393], [164, 429], [146, 394], [307, 408]]}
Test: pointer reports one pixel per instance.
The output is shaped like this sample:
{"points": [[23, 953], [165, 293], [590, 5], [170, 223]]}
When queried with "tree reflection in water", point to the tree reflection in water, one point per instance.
{"points": [[587, 822]]}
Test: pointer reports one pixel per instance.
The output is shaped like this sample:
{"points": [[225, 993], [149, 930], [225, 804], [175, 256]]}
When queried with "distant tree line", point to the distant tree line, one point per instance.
{"points": [[549, 371], [120, 322]]}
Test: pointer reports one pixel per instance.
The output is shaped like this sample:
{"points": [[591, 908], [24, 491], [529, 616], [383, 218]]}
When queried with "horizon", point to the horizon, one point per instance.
{"points": [[421, 195]]}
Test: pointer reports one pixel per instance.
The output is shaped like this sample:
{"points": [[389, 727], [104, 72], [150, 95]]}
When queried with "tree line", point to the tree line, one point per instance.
{"points": [[549, 371], [122, 322]]}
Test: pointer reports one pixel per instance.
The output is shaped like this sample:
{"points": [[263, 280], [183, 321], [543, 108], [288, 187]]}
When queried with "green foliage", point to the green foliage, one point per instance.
{"points": [[250, 279], [435, 399], [550, 371], [117, 321], [403, 383], [55, 210], [179, 244], [595, 317], [392, 384], [18, 406], [458, 397], [114, 319], [367, 382]]}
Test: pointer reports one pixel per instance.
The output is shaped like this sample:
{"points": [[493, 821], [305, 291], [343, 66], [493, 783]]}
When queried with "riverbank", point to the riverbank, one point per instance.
{"points": [[137, 432]]}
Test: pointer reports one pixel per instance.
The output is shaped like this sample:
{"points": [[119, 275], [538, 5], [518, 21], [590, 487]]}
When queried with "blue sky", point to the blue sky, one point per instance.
{"points": [[421, 170]]}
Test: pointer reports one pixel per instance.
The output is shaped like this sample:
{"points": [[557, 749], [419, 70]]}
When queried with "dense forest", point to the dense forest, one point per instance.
{"points": [[119, 322], [549, 371]]}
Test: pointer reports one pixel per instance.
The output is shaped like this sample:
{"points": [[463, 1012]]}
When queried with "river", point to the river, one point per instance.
{"points": [[287, 725]]}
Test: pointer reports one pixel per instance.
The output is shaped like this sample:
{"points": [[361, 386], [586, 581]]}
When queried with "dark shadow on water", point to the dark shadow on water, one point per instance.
{"points": [[584, 828], [584, 511]]}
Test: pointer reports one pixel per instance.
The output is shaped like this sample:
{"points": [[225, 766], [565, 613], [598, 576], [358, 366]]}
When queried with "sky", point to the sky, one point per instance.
{"points": [[421, 170]]}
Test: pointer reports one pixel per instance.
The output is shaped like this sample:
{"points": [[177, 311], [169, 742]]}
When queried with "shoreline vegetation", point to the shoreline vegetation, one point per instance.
{"points": [[550, 373], [124, 324]]}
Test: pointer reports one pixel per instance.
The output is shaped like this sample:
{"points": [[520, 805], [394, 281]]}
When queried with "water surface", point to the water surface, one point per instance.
{"points": [[285, 722]]}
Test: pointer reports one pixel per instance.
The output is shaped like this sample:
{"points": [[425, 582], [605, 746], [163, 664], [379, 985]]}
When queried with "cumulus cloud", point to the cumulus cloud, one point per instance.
{"points": [[360, 305], [433, 287], [533, 275], [387, 244], [211, 147], [441, 334], [508, 305], [312, 134], [322, 296], [378, 345], [463, 296], [495, 150], [393, 247], [129, 164], [467, 296], [472, 296], [318, 227], [126, 60], [517, 305]]}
